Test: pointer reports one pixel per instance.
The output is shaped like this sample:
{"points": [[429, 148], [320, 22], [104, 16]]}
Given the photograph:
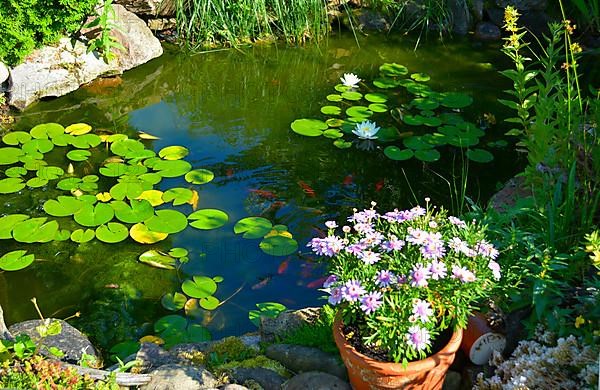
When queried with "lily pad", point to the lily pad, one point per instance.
{"points": [[170, 322], [167, 221], [47, 130], [199, 287], [333, 134], [137, 210], [425, 103], [50, 172], [209, 303], [279, 245], [82, 236], [78, 129], [253, 227], [331, 110], [456, 100], [140, 233], [173, 152], [411, 120], [359, 112], [36, 182], [37, 145], [416, 143], [64, 206], [129, 190], [395, 153], [428, 155], [423, 77], [309, 127], [152, 196], [385, 83], [15, 172], [35, 230], [173, 301], [16, 138], [178, 252], [11, 185], [158, 260], [335, 98], [207, 219], [479, 155], [8, 222], [393, 69], [172, 168], [376, 97], [334, 122], [86, 141], [178, 196], [78, 155], [112, 232], [16, 260], [10, 155], [341, 144], [91, 216], [352, 95], [127, 148], [199, 176]]}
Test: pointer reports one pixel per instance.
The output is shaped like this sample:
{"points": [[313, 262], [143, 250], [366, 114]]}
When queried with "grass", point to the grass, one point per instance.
{"points": [[317, 335]]}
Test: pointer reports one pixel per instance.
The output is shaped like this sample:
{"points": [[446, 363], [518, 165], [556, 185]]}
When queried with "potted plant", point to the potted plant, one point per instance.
{"points": [[405, 283]]}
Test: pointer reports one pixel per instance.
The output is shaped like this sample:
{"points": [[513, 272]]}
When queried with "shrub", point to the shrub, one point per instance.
{"points": [[27, 24]]}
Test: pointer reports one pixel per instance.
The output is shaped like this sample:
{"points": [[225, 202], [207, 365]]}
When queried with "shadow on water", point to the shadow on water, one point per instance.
{"points": [[232, 110]]}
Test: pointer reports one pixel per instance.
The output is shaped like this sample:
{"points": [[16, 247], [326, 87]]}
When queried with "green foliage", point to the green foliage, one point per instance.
{"points": [[105, 42], [588, 13], [259, 361], [317, 334], [227, 350], [27, 24]]}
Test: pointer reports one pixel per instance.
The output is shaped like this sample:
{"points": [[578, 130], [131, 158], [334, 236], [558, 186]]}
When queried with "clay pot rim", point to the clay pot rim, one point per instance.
{"points": [[426, 364]]}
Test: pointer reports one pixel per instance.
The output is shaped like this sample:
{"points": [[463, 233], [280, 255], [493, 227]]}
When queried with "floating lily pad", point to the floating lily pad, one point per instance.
{"points": [[331, 110], [10, 155], [209, 303], [170, 322], [46, 130], [207, 219], [411, 120], [173, 152], [167, 221], [140, 233], [420, 77], [199, 287], [134, 212], [35, 230], [395, 153], [78, 129], [15, 172], [479, 155], [378, 107], [36, 182], [416, 143], [393, 69], [385, 83], [172, 168], [8, 222], [178, 196], [341, 88], [253, 227], [425, 103], [334, 122], [359, 112], [11, 185], [151, 178], [388, 134], [16, 138], [16, 260], [62, 139], [335, 98], [418, 89], [152, 196], [199, 176], [37, 145], [352, 95], [376, 97], [309, 127], [431, 121], [156, 259], [333, 134], [429, 155], [78, 155], [456, 100], [91, 216], [86, 141], [82, 236], [173, 301], [279, 245], [341, 144], [64, 206], [50, 172], [130, 190], [112, 232], [127, 148]]}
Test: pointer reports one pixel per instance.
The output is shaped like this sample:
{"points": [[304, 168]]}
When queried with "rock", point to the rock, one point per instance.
{"points": [[452, 381], [152, 355], [162, 24], [172, 376], [298, 358], [372, 20], [514, 190], [4, 73], [71, 341], [270, 328], [477, 9], [496, 16], [234, 386], [60, 69], [461, 17], [523, 5], [251, 341], [150, 7], [268, 379], [486, 31], [315, 381]]}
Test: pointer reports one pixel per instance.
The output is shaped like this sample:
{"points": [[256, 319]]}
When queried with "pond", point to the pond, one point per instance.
{"points": [[232, 109]]}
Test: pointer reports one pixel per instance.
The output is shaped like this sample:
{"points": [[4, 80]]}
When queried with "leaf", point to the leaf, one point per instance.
{"points": [[395, 153], [352, 95], [15, 172], [147, 136], [46, 130], [207, 219], [199, 287], [10, 155], [50, 173], [157, 259], [172, 168], [167, 221], [333, 134], [11, 185], [91, 216], [16, 260], [78, 129], [86, 141], [479, 155], [35, 230], [8, 222], [64, 206], [16, 138], [136, 211], [334, 98], [253, 227], [393, 69], [331, 110], [209, 303], [173, 301], [170, 322], [130, 190], [429, 155], [422, 77], [376, 97], [309, 127], [341, 144], [456, 100], [173, 152], [199, 176], [152, 196], [82, 236], [112, 232], [278, 245], [140, 233]]}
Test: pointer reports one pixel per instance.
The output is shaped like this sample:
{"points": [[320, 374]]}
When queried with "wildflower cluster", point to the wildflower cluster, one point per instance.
{"points": [[404, 276]]}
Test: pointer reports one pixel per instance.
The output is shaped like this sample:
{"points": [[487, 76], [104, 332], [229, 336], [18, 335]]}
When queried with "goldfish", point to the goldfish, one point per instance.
{"points": [[348, 180], [283, 266], [264, 193], [379, 185], [317, 283], [307, 189], [262, 282], [229, 172]]}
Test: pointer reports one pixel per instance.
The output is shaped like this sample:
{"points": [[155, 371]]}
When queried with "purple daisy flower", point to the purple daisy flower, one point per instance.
{"points": [[369, 257], [463, 274], [331, 224], [417, 236], [329, 281], [495, 267], [372, 239], [393, 244], [352, 290], [355, 249], [422, 310], [457, 222], [433, 249], [486, 249], [385, 278], [419, 276], [371, 302], [438, 270], [418, 211], [417, 337], [335, 296], [328, 246]]}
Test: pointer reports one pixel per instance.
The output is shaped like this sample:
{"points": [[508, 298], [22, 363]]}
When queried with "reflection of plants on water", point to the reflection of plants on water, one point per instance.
{"points": [[407, 107]]}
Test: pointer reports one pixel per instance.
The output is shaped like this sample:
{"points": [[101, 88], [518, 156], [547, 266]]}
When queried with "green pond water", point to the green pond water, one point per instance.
{"points": [[232, 109]]}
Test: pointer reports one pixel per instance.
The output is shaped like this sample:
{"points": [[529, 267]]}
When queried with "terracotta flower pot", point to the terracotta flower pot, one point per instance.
{"points": [[480, 341], [366, 373]]}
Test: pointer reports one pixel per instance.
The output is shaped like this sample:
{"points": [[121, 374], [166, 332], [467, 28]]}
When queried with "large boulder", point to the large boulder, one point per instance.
{"points": [[316, 381], [150, 7], [172, 376], [71, 341], [62, 68], [461, 16], [4, 73], [267, 379], [298, 358], [272, 328]]}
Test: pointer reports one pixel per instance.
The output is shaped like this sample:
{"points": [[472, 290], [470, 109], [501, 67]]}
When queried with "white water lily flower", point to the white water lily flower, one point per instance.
{"points": [[366, 130], [350, 80]]}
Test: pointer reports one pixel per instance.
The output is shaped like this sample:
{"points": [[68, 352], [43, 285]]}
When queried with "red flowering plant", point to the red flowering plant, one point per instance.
{"points": [[403, 277]]}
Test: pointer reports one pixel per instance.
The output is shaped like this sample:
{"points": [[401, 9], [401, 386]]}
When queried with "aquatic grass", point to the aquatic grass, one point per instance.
{"points": [[207, 23]]}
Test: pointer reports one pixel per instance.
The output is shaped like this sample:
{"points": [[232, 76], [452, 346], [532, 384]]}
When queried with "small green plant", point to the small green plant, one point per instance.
{"points": [[317, 334], [105, 43]]}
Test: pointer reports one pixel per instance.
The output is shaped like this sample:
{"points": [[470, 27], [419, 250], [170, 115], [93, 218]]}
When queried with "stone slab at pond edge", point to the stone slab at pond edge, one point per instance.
{"points": [[53, 71]]}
